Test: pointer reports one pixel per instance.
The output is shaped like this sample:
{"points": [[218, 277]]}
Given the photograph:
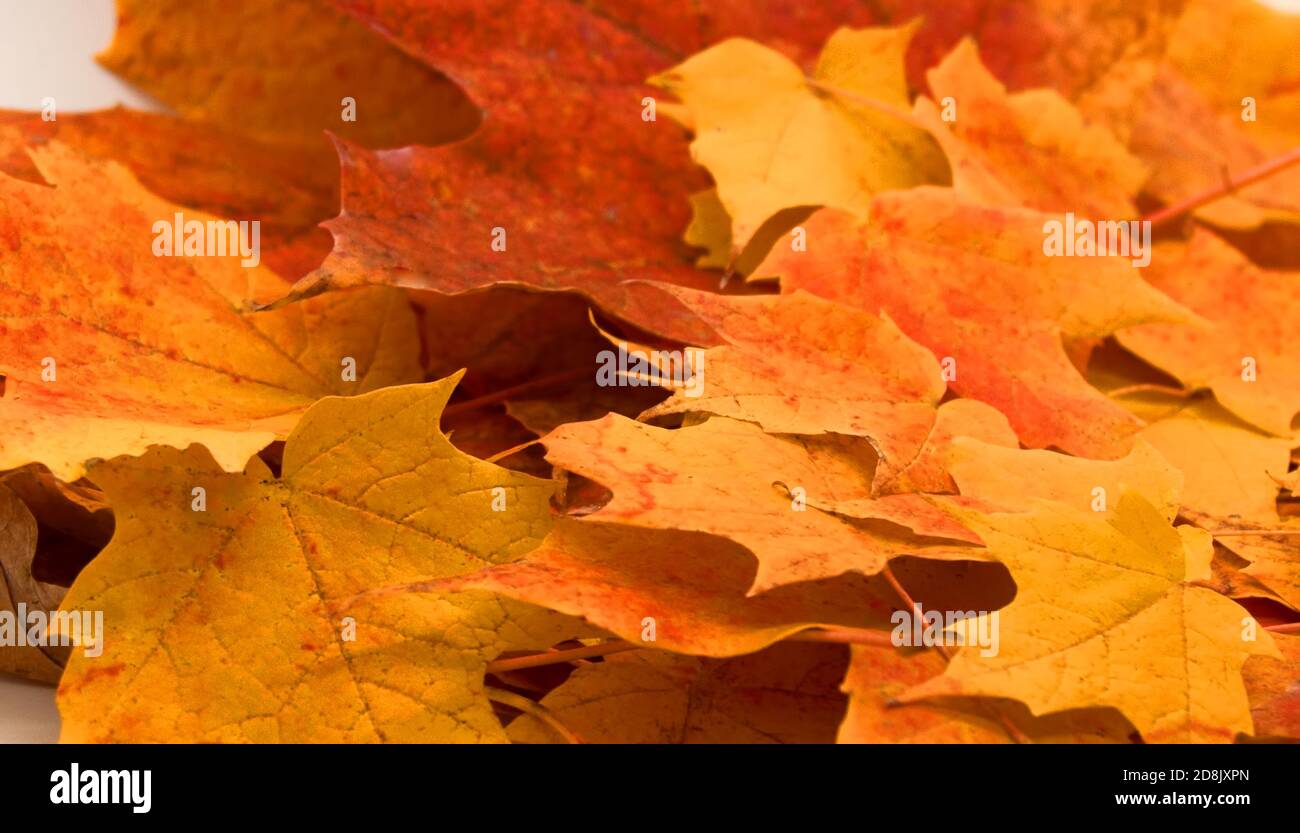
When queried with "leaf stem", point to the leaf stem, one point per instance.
{"points": [[1011, 728], [514, 391], [843, 636], [501, 455], [1173, 212], [612, 646], [1182, 393], [533, 709]]}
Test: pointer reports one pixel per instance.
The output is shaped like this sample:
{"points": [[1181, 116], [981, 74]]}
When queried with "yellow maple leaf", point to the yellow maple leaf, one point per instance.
{"points": [[1107, 613], [1246, 358], [222, 624], [1230, 469], [775, 139], [877, 676], [1013, 479]]}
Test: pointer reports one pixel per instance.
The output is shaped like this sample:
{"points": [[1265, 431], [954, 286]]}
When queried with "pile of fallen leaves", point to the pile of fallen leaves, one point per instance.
{"points": [[376, 487]]}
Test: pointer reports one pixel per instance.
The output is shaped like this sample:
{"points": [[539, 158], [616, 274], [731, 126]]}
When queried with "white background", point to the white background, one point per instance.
{"points": [[47, 48]]}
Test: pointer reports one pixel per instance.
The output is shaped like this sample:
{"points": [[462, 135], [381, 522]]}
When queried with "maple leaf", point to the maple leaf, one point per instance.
{"points": [[1199, 126], [687, 592], [1013, 479], [1249, 361], [1272, 553], [1230, 469], [1192, 149], [75, 510], [797, 364], [1030, 148], [158, 349], [289, 189], [222, 623], [710, 229], [1096, 54], [877, 676], [1274, 695], [785, 694], [774, 139], [973, 285], [730, 478], [246, 68], [19, 587], [1238, 47], [587, 196], [318, 568], [692, 586], [404, 224], [1063, 648]]}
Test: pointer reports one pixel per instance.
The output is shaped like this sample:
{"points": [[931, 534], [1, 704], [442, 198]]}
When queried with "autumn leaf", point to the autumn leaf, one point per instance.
{"points": [[774, 139], [1062, 648], [159, 350], [877, 676], [1031, 148], [1272, 552], [395, 201], [785, 694], [728, 478], [1099, 55], [1236, 48], [1274, 694], [289, 189], [21, 593], [222, 622], [1015, 480], [687, 592], [972, 283], [766, 334], [692, 588], [1193, 149], [1248, 360], [585, 198], [1230, 469], [797, 364], [211, 64]]}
